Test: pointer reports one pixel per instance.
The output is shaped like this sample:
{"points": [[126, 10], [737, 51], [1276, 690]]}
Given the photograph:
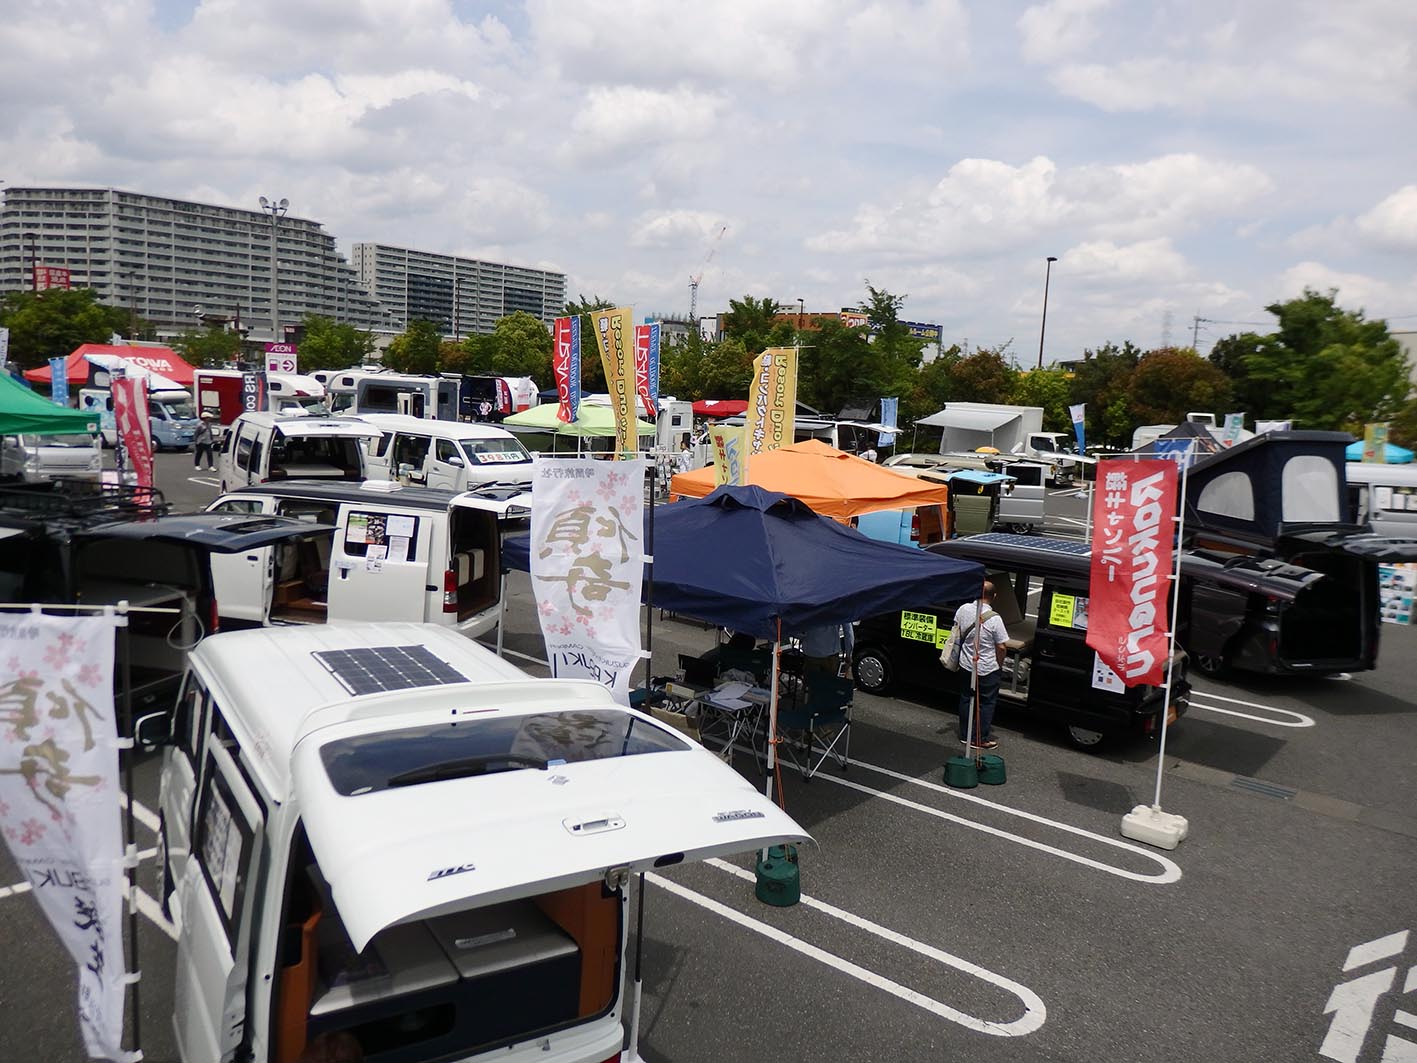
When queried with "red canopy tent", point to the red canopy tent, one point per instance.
{"points": [[720, 407], [161, 360]]}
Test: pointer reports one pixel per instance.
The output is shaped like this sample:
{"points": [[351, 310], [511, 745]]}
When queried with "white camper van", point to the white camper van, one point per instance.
{"points": [[446, 454], [271, 446], [386, 839]]}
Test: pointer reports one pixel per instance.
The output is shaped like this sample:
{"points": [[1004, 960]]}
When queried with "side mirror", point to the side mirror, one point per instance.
{"points": [[153, 730], [456, 462], [405, 469]]}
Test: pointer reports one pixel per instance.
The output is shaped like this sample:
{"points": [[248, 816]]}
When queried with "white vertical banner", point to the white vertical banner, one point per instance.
{"points": [[59, 799], [4, 347], [587, 566]]}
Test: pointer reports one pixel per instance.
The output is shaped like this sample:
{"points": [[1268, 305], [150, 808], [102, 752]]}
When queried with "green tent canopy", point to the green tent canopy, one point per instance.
{"points": [[590, 421], [22, 412]]}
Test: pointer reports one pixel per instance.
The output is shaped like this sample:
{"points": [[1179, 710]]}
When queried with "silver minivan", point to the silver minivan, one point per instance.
{"points": [[40, 458]]}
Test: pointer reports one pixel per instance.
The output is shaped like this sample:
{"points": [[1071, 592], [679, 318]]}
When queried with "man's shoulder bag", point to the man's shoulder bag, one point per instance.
{"points": [[949, 656]]}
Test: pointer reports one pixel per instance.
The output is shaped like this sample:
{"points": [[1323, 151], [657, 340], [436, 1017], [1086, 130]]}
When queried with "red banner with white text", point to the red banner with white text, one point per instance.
{"points": [[1133, 528], [130, 416]]}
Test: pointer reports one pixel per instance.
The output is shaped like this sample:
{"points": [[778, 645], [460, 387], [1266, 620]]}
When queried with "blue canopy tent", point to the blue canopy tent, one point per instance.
{"points": [[749, 559], [1392, 453], [763, 563]]}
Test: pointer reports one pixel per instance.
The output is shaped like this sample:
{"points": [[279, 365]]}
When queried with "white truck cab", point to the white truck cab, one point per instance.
{"points": [[395, 553], [383, 838]]}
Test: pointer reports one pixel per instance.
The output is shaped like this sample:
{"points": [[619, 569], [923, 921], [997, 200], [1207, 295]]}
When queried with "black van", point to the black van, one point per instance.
{"points": [[1049, 669]]}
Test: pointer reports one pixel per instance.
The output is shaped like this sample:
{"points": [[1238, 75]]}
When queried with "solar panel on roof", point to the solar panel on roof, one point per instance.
{"points": [[1037, 542], [373, 669]]}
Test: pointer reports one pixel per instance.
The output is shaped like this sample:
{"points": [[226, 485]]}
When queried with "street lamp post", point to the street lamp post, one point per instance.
{"points": [[1047, 275], [34, 261], [277, 211], [801, 309]]}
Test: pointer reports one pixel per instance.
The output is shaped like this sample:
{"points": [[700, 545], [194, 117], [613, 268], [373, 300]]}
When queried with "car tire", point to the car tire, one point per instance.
{"points": [[873, 671], [1213, 665], [1085, 738]]}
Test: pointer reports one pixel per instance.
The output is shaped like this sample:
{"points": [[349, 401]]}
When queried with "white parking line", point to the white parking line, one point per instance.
{"points": [[150, 908], [144, 815], [1035, 1013], [1298, 719], [1170, 871], [526, 657], [204, 481]]}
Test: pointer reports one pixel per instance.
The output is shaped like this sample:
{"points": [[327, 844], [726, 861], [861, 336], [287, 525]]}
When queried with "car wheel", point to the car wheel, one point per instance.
{"points": [[872, 669], [1211, 664], [1085, 737]]}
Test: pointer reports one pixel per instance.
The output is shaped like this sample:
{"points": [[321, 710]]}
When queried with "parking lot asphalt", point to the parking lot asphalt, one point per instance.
{"points": [[1010, 922]]}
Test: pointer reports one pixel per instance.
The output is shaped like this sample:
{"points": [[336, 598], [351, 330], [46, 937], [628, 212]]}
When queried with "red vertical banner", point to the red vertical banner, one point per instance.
{"points": [[130, 416], [1133, 529], [643, 339]]}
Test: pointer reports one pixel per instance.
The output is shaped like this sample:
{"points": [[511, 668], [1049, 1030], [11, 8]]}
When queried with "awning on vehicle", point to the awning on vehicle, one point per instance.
{"points": [[973, 420], [419, 851]]}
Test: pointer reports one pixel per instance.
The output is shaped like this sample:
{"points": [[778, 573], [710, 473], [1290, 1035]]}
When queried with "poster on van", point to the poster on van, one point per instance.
{"points": [[59, 793], [587, 565]]}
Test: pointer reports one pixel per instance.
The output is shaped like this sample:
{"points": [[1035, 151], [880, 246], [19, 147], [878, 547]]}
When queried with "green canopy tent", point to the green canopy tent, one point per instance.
{"points": [[592, 422], [22, 412]]}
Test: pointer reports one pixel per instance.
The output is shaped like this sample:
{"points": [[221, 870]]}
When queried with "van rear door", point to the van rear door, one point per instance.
{"points": [[218, 896], [397, 843], [381, 566]]}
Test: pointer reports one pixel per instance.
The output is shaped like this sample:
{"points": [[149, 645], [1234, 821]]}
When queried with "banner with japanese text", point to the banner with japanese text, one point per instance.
{"points": [[772, 400], [253, 391], [647, 366], [890, 410], [59, 800], [1375, 442], [59, 381], [587, 566], [566, 367], [727, 455], [47, 277], [131, 419], [614, 335], [1133, 515]]}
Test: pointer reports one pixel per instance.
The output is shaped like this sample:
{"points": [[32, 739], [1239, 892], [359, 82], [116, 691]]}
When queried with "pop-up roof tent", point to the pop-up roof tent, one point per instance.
{"points": [[1204, 442], [1270, 480], [161, 360], [24, 412], [829, 481]]}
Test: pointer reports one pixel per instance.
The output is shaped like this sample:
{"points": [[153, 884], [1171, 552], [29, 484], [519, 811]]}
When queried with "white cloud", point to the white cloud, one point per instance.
{"points": [[613, 119], [1356, 291], [1058, 28], [1392, 223], [1149, 261], [676, 228]]}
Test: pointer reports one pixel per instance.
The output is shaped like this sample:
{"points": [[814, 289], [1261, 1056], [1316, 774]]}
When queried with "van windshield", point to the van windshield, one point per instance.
{"points": [[368, 763], [494, 451], [85, 441]]}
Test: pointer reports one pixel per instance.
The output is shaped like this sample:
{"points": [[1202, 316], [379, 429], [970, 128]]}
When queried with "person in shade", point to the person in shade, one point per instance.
{"points": [[981, 662]]}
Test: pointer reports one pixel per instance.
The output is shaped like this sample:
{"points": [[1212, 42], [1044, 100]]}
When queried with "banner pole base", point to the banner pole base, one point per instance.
{"points": [[1150, 825]]}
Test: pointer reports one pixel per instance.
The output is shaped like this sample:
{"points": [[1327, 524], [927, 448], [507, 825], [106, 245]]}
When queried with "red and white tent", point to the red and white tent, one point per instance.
{"points": [[163, 361]]}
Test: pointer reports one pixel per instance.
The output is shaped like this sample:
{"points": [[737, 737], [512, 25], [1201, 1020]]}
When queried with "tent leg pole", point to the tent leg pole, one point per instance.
{"points": [[634, 1051], [649, 598], [501, 613], [772, 720]]}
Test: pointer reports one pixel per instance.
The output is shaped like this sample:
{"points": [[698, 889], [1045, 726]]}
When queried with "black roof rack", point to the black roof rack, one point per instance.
{"points": [[79, 503]]}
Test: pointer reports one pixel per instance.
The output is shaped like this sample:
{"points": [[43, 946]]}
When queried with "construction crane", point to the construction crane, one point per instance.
{"points": [[694, 280]]}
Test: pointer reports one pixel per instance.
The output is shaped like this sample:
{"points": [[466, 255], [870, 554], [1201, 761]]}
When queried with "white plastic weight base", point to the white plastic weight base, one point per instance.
{"points": [[1149, 824]]}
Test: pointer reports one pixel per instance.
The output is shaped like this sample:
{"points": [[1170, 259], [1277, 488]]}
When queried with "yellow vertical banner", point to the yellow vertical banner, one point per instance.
{"points": [[614, 333], [1375, 442], [727, 455], [772, 401]]}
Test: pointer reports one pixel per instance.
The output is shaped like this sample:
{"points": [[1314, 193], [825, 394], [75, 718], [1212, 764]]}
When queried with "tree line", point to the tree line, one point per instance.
{"points": [[1323, 367]]}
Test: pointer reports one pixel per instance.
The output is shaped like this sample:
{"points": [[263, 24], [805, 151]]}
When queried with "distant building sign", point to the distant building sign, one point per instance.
{"points": [[857, 317], [922, 331], [854, 317], [50, 277], [280, 358]]}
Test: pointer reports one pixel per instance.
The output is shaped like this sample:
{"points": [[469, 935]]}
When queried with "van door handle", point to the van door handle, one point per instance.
{"points": [[253, 557]]}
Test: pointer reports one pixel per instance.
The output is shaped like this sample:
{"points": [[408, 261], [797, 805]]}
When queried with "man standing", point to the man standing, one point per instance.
{"points": [[202, 442], [981, 660]]}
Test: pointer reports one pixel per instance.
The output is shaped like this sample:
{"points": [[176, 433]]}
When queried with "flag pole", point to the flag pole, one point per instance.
{"points": [[1180, 520]]}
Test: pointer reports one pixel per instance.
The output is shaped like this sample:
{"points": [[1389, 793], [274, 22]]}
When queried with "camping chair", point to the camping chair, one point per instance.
{"points": [[826, 708]]}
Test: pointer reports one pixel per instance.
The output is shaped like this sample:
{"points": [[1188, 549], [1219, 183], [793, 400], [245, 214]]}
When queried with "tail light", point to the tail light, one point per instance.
{"points": [[915, 527], [450, 591]]}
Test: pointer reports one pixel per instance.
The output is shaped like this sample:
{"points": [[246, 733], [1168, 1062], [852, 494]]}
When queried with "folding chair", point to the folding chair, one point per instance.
{"points": [[826, 708]]}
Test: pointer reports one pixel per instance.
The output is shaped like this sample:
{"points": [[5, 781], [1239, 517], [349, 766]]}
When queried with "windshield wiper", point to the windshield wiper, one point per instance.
{"points": [[464, 766]]}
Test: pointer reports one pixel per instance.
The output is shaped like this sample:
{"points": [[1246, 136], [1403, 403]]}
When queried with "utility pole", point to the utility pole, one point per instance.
{"points": [[1196, 334]]}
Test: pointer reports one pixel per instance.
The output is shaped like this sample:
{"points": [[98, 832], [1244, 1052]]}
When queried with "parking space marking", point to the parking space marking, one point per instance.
{"points": [[204, 481], [153, 911], [526, 657], [1035, 1013], [1298, 719], [1170, 871], [24, 887]]}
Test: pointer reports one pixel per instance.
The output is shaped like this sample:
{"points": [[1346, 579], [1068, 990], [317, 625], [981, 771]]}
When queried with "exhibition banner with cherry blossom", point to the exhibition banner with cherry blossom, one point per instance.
{"points": [[59, 799], [587, 566]]}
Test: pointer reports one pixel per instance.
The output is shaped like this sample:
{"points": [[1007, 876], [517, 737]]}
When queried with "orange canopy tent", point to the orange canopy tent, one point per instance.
{"points": [[832, 483]]}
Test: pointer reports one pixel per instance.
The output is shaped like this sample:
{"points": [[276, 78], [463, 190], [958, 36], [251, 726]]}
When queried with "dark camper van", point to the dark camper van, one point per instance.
{"points": [[1050, 670]]}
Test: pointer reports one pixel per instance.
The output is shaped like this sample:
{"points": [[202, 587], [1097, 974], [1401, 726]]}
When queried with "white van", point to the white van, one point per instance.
{"points": [[395, 553], [418, 396], [1385, 495], [386, 838], [272, 446], [41, 458], [446, 454]]}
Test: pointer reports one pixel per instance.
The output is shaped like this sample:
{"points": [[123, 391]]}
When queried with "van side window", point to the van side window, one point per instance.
{"points": [[365, 529], [222, 845], [188, 720], [411, 450], [255, 468], [222, 733], [446, 451], [237, 505], [243, 452]]}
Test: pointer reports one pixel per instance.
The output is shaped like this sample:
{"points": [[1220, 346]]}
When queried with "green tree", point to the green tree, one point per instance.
{"points": [[838, 368], [1048, 388], [210, 348], [521, 346], [1169, 383], [1324, 367], [329, 344], [52, 323], [984, 376], [1102, 380], [415, 350], [931, 387], [753, 323]]}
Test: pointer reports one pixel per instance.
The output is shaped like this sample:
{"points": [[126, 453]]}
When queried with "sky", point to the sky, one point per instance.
{"points": [[1179, 159]]}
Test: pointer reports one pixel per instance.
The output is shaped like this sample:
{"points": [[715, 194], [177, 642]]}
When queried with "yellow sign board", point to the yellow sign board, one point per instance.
{"points": [[1061, 612], [921, 627]]}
